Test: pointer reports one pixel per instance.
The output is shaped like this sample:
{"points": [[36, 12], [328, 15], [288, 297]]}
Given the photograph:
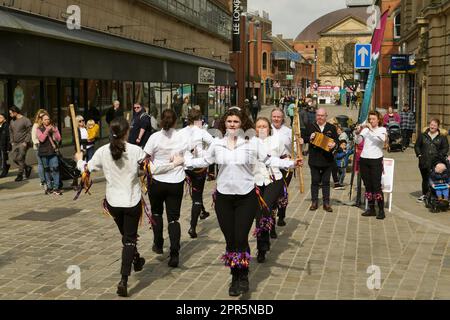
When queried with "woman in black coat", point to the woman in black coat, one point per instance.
{"points": [[431, 145], [5, 146]]}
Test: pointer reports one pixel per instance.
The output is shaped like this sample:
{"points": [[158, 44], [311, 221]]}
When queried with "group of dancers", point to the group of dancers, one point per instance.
{"points": [[254, 171]]}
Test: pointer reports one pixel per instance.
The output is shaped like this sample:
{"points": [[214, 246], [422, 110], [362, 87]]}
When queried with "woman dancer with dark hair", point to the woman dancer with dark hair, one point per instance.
{"points": [[166, 189], [120, 162], [196, 136], [236, 198]]}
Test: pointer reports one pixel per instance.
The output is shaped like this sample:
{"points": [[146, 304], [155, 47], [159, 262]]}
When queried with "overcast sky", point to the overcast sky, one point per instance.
{"points": [[290, 17]]}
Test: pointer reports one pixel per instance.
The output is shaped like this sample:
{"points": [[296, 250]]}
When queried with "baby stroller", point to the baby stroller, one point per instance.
{"points": [[431, 200], [68, 171], [395, 137]]}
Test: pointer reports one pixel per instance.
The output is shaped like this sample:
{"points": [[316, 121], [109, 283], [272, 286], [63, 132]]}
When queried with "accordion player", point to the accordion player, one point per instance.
{"points": [[322, 141]]}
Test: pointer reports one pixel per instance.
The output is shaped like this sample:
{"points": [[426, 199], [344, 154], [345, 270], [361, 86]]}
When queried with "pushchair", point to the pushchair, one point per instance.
{"points": [[395, 137], [431, 200]]}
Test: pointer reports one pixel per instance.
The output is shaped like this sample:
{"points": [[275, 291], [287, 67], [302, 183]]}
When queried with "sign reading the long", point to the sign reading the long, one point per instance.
{"points": [[236, 29], [377, 40]]}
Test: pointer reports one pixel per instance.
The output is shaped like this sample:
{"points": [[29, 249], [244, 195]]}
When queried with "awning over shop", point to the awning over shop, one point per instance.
{"points": [[35, 46]]}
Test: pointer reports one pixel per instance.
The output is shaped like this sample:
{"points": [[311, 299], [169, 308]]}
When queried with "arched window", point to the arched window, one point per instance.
{"points": [[328, 55], [264, 61], [397, 25], [349, 53]]}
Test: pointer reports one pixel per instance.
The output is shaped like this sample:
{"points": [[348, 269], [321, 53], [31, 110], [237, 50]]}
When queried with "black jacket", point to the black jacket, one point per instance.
{"points": [[5, 144], [317, 156], [140, 121], [429, 151], [112, 114]]}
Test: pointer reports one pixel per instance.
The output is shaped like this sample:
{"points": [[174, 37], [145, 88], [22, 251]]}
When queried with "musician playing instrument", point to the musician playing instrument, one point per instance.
{"points": [[320, 160]]}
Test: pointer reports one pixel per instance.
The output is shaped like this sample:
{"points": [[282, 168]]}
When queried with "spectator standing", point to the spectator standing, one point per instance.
{"points": [[34, 137], [391, 116], [20, 135], [342, 157], [93, 113], [256, 107], [141, 127], [5, 145], [87, 146], [114, 112], [431, 146], [407, 125]]}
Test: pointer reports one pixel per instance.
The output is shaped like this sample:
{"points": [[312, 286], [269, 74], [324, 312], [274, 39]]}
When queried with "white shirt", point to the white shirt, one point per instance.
{"points": [[373, 142], [236, 167], [123, 187], [263, 173], [84, 135], [162, 146], [196, 138], [285, 136]]}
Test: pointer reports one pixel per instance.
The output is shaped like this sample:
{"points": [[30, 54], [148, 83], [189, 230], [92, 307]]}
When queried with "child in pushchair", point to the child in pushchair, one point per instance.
{"points": [[437, 199], [394, 136]]}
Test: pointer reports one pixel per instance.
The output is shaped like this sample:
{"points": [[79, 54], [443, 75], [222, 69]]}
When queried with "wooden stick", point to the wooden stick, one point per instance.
{"points": [[75, 127], [297, 136]]}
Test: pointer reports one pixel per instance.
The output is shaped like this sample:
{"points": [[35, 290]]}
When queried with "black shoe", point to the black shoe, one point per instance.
{"points": [[273, 234], [204, 215], [27, 171], [19, 178], [57, 192], [138, 264], [234, 291], [381, 215], [192, 233], [244, 285], [370, 212], [122, 289], [174, 260], [261, 257], [281, 222], [156, 249]]}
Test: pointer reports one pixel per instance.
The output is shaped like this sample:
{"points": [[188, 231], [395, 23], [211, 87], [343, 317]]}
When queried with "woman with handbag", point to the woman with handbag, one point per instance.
{"points": [[49, 138]]}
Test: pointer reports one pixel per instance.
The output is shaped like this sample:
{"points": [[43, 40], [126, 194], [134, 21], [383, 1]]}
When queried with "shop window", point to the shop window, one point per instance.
{"points": [[166, 94], [146, 97], [264, 61], [155, 99], [3, 106], [138, 92], [26, 96], [127, 87]]}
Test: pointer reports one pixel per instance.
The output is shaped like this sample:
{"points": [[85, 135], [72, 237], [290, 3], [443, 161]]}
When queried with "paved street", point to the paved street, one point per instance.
{"points": [[316, 256]]}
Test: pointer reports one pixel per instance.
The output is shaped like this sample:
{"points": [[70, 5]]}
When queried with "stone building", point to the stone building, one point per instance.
{"points": [[425, 34], [90, 52]]}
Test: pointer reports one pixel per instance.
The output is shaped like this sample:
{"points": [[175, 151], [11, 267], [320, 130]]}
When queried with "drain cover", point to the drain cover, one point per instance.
{"points": [[53, 214]]}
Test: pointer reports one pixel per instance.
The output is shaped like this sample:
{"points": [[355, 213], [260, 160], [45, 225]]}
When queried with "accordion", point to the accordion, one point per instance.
{"points": [[320, 140]]}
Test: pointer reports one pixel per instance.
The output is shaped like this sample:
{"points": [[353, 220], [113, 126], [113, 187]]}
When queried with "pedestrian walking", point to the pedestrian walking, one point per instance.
{"points": [[321, 161], [284, 134], [49, 139], [5, 146], [256, 107], [20, 135], [236, 201], [431, 146], [114, 112], [371, 162], [34, 137], [197, 137], [166, 189], [141, 126], [120, 162], [270, 184], [407, 125]]}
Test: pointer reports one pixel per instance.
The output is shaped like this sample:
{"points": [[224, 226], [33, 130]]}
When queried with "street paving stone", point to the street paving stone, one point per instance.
{"points": [[317, 255]]}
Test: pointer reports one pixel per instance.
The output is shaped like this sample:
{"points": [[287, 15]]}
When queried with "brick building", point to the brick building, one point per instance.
{"points": [[153, 52]]}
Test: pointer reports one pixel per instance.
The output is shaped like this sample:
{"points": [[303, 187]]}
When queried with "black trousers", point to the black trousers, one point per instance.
{"points": [[127, 220], [236, 214], [3, 161], [255, 114], [270, 194], [287, 177], [170, 195], [371, 171], [321, 175], [406, 134], [425, 172], [198, 185]]}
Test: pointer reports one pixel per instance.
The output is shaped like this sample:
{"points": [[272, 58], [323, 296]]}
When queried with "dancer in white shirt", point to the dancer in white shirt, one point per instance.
{"points": [[236, 200], [284, 134], [270, 185], [197, 136], [371, 163], [166, 189], [120, 162]]}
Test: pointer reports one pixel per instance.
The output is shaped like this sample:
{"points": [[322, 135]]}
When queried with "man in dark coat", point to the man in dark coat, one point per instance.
{"points": [[114, 112], [140, 128], [321, 161]]}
